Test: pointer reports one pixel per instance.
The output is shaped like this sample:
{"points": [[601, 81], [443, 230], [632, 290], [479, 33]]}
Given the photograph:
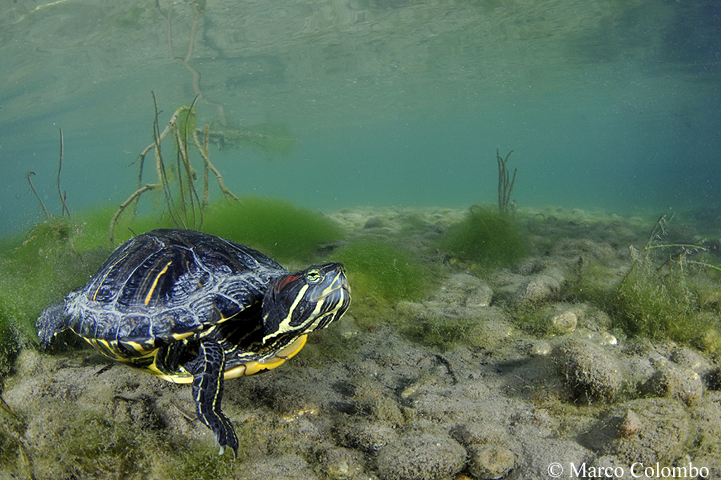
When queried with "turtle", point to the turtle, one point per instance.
{"points": [[190, 307]]}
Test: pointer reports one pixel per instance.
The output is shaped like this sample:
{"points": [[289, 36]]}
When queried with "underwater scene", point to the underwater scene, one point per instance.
{"points": [[524, 195]]}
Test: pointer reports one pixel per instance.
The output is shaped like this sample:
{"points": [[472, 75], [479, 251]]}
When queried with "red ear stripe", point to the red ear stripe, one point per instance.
{"points": [[286, 281]]}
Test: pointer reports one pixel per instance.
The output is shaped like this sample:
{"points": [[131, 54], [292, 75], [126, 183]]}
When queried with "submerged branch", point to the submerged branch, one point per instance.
{"points": [[60, 169], [45, 210]]}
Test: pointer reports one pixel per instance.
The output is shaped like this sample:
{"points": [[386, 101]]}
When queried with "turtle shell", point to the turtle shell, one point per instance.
{"points": [[164, 286]]}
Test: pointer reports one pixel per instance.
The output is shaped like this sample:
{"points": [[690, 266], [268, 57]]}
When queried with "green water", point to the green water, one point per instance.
{"points": [[609, 105]]}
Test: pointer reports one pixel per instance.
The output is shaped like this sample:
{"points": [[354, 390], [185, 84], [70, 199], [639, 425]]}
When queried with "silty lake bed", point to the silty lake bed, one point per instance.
{"points": [[486, 371]]}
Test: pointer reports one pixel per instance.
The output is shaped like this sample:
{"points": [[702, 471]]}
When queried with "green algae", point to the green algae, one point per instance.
{"points": [[381, 272], [670, 292], [274, 226], [37, 270], [485, 239]]}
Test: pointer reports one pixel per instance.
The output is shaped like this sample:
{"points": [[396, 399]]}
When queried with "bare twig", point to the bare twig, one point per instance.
{"points": [[60, 169], [45, 210], [186, 208]]}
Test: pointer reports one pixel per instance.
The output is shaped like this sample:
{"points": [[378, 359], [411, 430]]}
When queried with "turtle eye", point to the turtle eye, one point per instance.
{"points": [[313, 276]]}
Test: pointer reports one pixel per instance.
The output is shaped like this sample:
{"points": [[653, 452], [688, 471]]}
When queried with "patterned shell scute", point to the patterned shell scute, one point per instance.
{"points": [[163, 284]]}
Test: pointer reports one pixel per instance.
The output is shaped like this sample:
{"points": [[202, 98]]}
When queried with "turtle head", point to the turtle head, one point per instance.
{"points": [[305, 301]]}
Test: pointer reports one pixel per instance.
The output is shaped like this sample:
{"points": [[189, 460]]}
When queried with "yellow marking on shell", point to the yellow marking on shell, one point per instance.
{"points": [[100, 283], [155, 282], [104, 347], [140, 348]]}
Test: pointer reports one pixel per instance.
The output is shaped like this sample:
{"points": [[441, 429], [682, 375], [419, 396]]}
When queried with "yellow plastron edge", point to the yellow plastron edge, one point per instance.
{"points": [[251, 368]]}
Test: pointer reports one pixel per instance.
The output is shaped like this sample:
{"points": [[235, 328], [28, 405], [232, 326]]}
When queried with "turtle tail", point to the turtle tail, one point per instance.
{"points": [[208, 394]]}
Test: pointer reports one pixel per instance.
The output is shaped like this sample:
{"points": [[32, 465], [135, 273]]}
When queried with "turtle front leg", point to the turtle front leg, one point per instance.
{"points": [[208, 394]]}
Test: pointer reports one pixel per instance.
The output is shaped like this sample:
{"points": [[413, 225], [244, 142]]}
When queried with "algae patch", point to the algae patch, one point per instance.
{"points": [[381, 272], [274, 226], [485, 239], [37, 270]]}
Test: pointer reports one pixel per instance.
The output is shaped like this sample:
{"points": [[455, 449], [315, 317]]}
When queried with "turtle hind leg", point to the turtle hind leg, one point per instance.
{"points": [[52, 321], [208, 394]]}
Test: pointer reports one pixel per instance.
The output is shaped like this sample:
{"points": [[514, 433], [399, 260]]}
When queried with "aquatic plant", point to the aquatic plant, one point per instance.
{"points": [[381, 272], [505, 184], [39, 269], [658, 296], [274, 226], [486, 239], [61, 194]]}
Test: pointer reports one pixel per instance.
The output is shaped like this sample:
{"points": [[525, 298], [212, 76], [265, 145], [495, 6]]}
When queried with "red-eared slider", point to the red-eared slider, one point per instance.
{"points": [[194, 308]]}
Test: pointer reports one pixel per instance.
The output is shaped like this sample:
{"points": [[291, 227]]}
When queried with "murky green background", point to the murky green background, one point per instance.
{"points": [[607, 104]]}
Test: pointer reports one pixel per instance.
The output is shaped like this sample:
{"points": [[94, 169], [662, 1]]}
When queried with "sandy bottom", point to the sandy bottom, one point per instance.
{"points": [[457, 384]]}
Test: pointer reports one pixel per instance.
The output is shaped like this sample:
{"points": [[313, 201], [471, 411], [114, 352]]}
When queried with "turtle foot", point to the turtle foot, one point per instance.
{"points": [[208, 395]]}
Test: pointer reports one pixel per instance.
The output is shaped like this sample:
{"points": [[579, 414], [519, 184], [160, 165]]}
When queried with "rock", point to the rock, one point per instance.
{"points": [[564, 322], [376, 222], [368, 437], [681, 383], [630, 425], [713, 379], [539, 289], [341, 463], [539, 349], [487, 444], [480, 297], [590, 373], [421, 457], [290, 467], [687, 358], [482, 433], [664, 431], [490, 461]]}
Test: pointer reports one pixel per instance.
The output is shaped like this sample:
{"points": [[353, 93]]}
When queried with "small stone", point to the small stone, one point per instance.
{"points": [[713, 379], [630, 425], [681, 383], [376, 222], [341, 463], [540, 349], [590, 372], [687, 358], [564, 322], [483, 433], [369, 437], [480, 297], [490, 461], [539, 289], [421, 457]]}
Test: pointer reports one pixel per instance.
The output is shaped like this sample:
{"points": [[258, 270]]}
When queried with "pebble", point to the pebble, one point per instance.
{"points": [[590, 372], [564, 322], [676, 382], [630, 425], [539, 289], [490, 461], [421, 457], [480, 297]]}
